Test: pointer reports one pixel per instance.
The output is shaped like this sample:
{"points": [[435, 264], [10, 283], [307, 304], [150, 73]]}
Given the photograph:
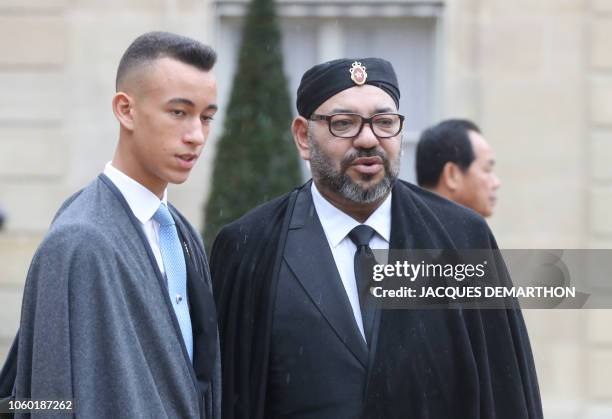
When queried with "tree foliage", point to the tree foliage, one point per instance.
{"points": [[256, 159]]}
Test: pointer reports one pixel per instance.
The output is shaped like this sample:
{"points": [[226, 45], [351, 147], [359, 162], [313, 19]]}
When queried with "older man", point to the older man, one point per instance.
{"points": [[298, 339], [454, 160], [118, 317]]}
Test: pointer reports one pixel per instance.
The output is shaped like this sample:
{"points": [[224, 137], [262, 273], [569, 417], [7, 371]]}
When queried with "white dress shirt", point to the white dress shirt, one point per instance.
{"points": [[337, 225], [143, 204]]}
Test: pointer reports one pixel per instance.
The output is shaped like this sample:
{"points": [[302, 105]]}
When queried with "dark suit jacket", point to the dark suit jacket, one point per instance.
{"points": [[319, 359]]}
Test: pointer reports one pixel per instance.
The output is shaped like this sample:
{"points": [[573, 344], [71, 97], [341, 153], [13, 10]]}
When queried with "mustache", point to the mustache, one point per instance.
{"points": [[353, 155]]}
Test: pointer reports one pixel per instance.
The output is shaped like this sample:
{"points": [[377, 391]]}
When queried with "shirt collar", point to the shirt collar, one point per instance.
{"points": [[142, 201], [337, 224]]}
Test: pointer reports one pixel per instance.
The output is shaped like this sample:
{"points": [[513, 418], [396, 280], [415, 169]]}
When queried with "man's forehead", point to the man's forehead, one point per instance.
{"points": [[481, 147], [358, 99], [166, 74], [173, 69]]}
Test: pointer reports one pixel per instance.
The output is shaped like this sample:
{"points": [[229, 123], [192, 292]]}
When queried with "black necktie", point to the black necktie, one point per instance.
{"points": [[363, 263]]}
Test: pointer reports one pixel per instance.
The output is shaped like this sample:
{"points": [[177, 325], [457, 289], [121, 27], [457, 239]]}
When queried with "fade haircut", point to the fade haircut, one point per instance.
{"points": [[154, 45], [448, 141]]}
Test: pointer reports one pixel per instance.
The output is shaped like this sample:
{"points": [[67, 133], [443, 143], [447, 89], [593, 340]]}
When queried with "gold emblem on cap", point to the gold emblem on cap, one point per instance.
{"points": [[358, 73]]}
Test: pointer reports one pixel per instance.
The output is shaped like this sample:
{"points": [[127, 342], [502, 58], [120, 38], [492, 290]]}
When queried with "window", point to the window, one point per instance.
{"points": [[403, 32]]}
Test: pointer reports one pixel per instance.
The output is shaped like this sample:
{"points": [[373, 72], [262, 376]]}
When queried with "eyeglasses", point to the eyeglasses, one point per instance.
{"points": [[349, 125]]}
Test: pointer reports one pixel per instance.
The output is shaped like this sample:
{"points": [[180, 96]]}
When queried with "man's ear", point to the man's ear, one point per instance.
{"points": [[299, 128], [451, 176], [123, 110]]}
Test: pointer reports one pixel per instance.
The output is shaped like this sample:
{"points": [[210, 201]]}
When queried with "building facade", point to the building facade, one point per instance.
{"points": [[536, 75]]}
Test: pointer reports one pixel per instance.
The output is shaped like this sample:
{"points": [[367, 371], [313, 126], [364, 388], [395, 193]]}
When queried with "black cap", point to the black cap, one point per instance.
{"points": [[325, 80]]}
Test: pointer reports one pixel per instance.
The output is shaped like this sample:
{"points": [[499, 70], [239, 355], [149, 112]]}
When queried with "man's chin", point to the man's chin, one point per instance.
{"points": [[365, 192], [367, 180], [179, 179], [370, 184]]}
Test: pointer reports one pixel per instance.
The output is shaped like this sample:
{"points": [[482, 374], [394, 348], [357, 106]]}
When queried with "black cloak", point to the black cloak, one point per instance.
{"points": [[429, 364]]}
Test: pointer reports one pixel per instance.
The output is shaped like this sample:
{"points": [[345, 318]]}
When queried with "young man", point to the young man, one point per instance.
{"points": [[118, 314], [455, 161], [297, 340]]}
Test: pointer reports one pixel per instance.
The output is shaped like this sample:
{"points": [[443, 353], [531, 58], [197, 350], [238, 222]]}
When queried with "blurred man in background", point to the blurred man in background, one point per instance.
{"points": [[2, 218], [455, 161]]}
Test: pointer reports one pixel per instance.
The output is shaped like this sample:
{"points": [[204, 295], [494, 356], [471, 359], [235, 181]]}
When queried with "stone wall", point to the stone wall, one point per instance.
{"points": [[535, 74], [537, 77], [598, 144]]}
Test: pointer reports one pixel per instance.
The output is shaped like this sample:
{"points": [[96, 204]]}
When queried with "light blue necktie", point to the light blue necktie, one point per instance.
{"points": [[176, 272]]}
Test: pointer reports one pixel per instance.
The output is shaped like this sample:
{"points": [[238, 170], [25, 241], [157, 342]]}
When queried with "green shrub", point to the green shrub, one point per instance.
{"points": [[256, 159]]}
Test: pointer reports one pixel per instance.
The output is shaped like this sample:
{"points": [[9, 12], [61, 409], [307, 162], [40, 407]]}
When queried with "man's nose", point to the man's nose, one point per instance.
{"points": [[195, 133], [366, 138], [496, 181]]}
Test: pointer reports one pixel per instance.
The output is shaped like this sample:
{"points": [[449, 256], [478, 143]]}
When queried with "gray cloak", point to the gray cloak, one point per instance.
{"points": [[97, 324]]}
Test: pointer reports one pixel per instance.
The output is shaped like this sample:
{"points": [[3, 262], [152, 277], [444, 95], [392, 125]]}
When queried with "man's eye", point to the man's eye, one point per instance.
{"points": [[206, 119], [384, 122], [342, 123], [177, 112]]}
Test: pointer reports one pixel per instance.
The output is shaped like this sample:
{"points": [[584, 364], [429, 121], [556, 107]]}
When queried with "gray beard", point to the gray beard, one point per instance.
{"points": [[323, 171]]}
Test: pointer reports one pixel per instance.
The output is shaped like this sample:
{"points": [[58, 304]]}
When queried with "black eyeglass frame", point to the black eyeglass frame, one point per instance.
{"points": [[318, 117]]}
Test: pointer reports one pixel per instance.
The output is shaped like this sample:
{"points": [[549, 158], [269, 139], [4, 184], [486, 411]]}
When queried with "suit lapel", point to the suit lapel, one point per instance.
{"points": [[309, 257], [202, 312]]}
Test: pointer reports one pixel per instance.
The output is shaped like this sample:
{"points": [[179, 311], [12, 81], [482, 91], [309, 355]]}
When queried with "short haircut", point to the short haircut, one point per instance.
{"points": [[448, 141], [154, 45]]}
